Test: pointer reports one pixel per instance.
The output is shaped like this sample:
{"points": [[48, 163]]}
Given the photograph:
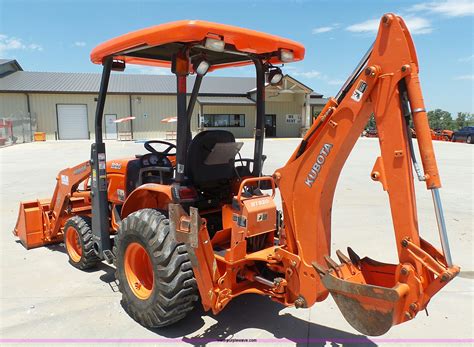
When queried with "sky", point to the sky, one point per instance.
{"points": [[59, 35]]}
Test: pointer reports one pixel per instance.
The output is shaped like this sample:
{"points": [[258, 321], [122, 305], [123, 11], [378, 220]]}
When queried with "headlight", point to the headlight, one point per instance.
{"points": [[275, 76], [201, 67]]}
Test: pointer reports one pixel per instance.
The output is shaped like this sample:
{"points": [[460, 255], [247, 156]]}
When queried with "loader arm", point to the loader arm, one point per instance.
{"points": [[372, 296], [40, 222], [67, 182]]}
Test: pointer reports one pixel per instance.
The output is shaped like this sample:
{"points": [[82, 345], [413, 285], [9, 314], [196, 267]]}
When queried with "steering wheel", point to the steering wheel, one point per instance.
{"points": [[148, 146]]}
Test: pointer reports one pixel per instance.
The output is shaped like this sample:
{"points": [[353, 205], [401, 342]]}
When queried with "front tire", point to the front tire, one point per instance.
{"points": [[78, 243], [469, 139], [154, 271]]}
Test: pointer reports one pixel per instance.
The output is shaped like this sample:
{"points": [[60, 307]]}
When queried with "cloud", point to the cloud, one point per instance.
{"points": [[321, 30], [148, 70], [325, 29], [307, 74], [10, 43], [79, 43], [464, 78], [466, 59], [336, 82], [370, 25], [449, 8], [416, 25]]}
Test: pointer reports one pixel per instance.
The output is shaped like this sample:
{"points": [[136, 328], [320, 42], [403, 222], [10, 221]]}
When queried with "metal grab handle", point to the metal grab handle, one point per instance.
{"points": [[247, 182], [443, 234]]}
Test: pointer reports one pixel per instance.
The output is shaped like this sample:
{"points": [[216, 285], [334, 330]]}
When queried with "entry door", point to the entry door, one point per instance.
{"points": [[270, 125], [110, 127]]}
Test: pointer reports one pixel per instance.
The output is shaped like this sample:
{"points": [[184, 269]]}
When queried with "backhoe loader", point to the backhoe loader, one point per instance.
{"points": [[193, 222]]}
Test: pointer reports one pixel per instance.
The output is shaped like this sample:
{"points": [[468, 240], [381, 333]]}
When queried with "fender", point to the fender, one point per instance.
{"points": [[149, 195]]}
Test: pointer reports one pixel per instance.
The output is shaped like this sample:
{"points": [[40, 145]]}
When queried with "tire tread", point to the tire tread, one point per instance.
{"points": [[174, 279]]}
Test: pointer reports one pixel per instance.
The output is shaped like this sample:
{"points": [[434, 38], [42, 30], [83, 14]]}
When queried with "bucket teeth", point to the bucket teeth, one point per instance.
{"points": [[333, 265], [319, 269], [355, 259], [351, 263], [342, 257]]}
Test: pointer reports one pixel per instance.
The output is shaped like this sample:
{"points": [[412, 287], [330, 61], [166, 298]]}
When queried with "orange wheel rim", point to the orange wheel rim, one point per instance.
{"points": [[73, 245], [139, 270]]}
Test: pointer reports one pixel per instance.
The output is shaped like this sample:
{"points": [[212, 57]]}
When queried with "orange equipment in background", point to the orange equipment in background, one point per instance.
{"points": [[442, 135]]}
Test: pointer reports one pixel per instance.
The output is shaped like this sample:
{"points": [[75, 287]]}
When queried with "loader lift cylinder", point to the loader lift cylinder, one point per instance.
{"points": [[100, 213]]}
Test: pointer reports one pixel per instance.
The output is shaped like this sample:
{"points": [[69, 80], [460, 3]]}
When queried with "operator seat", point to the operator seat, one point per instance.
{"points": [[203, 175]]}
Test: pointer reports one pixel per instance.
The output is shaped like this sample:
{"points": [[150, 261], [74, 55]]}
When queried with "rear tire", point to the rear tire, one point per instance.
{"points": [[469, 139], [154, 271], [78, 243]]}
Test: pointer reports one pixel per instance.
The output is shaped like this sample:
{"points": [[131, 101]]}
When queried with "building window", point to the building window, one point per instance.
{"points": [[223, 120]]}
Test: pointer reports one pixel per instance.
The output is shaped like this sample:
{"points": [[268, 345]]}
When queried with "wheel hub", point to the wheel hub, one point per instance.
{"points": [[139, 270], [73, 245]]}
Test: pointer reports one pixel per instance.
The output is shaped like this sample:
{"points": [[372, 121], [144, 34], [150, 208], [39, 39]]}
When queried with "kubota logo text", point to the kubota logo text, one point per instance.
{"points": [[313, 174]]}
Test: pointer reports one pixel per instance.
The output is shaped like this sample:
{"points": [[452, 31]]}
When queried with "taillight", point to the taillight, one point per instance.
{"points": [[187, 193]]}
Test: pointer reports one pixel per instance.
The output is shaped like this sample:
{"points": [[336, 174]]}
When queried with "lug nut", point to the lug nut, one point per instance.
{"points": [[404, 271]]}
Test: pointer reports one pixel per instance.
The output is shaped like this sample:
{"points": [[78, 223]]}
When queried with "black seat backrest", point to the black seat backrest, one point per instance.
{"points": [[201, 146], [133, 175]]}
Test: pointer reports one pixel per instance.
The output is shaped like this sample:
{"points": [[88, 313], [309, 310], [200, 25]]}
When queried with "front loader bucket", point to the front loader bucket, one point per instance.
{"points": [[31, 223]]}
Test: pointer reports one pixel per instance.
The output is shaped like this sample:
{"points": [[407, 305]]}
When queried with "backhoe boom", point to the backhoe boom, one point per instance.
{"points": [[373, 296]]}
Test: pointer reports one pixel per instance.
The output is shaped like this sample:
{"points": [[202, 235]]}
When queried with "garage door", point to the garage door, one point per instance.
{"points": [[72, 122]]}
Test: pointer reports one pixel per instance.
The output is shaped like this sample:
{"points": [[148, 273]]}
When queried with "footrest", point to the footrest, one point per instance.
{"points": [[109, 256]]}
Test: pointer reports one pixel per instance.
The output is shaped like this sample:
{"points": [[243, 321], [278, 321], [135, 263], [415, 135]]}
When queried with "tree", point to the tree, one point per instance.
{"points": [[439, 119], [371, 122], [464, 119]]}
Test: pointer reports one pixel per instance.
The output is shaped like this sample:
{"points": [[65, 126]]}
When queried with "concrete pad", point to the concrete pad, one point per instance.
{"points": [[43, 297]]}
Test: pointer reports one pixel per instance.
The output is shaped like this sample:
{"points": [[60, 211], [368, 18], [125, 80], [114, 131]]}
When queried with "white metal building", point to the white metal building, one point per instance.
{"points": [[63, 104]]}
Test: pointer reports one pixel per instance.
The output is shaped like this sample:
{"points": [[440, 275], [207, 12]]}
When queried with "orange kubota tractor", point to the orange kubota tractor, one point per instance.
{"points": [[190, 222]]}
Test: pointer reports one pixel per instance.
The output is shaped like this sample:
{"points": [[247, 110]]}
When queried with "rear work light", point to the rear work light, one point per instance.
{"points": [[286, 55], [214, 44]]}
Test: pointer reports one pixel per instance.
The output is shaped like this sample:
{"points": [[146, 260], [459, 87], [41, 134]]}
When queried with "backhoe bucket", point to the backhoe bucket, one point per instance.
{"points": [[369, 308], [31, 223], [374, 296]]}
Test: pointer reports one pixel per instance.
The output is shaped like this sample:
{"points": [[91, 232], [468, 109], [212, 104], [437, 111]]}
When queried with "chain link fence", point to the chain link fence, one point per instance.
{"points": [[16, 128]]}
